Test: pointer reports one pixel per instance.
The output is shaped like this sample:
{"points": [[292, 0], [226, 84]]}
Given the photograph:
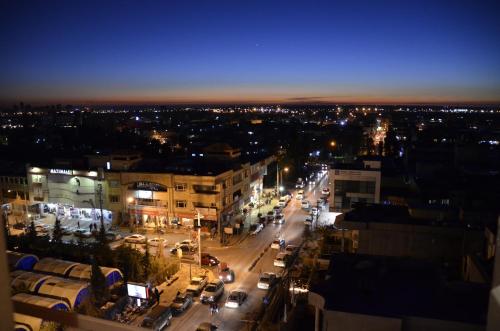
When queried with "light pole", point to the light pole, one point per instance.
{"points": [[198, 215]]}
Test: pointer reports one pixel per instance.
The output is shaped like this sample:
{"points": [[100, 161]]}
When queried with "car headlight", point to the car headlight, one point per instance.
{"points": [[220, 277]]}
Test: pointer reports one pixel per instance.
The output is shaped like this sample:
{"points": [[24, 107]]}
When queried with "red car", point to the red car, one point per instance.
{"points": [[207, 259]]}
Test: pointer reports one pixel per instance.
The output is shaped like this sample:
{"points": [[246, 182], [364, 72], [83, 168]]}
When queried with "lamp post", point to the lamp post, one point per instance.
{"points": [[199, 216], [279, 178]]}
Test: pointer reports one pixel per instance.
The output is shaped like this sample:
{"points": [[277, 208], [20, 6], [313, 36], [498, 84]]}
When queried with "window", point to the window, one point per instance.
{"points": [[181, 203], [114, 183], [180, 187], [114, 198]]}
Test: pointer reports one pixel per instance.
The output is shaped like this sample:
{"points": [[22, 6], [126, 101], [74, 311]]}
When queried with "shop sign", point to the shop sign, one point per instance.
{"points": [[149, 186], [61, 171]]}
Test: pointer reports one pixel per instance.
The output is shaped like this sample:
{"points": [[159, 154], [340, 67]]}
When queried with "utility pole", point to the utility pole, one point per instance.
{"points": [[199, 237]]}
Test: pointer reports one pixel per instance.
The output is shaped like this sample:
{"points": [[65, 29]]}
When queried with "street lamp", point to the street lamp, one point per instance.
{"points": [[333, 143], [279, 174]]}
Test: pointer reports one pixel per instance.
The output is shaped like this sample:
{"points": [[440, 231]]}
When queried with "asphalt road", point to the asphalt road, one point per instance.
{"points": [[239, 258]]}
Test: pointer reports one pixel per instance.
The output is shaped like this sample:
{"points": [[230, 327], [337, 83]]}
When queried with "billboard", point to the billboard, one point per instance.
{"points": [[135, 290]]}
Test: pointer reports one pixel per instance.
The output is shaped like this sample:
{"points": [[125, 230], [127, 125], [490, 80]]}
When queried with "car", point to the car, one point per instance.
{"points": [[305, 204], [282, 202], [206, 326], [226, 274], [113, 236], [277, 210], [291, 249], [19, 226], [82, 233], [191, 243], [320, 202], [236, 298], [66, 230], [325, 191], [278, 243], [308, 221], [266, 280], [197, 285], [209, 260], [281, 260], [279, 219], [270, 215], [186, 250], [314, 211], [157, 242], [135, 239], [42, 228], [300, 192], [258, 228], [212, 292], [262, 220], [181, 303], [299, 196], [159, 318]]}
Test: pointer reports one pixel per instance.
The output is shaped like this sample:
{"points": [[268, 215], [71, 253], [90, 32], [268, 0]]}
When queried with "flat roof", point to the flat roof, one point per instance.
{"points": [[397, 287]]}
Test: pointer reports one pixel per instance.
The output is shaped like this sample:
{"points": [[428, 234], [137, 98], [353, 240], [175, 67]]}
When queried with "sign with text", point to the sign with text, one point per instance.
{"points": [[61, 171], [135, 290]]}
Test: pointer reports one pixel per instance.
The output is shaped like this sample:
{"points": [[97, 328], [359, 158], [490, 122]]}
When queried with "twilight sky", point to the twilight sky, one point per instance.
{"points": [[187, 51]]}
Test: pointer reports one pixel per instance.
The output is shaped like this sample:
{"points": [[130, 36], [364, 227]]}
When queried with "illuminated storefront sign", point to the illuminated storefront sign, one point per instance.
{"points": [[61, 171]]}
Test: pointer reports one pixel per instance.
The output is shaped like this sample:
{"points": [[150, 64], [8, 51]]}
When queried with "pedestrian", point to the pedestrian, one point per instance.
{"points": [[157, 296], [95, 226], [90, 226], [78, 223]]}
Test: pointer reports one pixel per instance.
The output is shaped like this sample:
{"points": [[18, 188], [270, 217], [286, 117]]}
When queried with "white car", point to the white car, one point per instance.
{"points": [[305, 204], [157, 242], [314, 211], [266, 280], [191, 243], [135, 239], [212, 292], [281, 260], [278, 243], [299, 196], [325, 191], [283, 202]]}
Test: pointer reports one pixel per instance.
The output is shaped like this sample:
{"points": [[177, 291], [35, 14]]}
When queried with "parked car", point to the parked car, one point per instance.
{"points": [[314, 211], [308, 221], [209, 260], [270, 216], [191, 243], [305, 204], [113, 236], [262, 220], [226, 274], [281, 260], [212, 292], [299, 196], [258, 228], [19, 226], [277, 209], [66, 230], [135, 239], [266, 280], [206, 326], [157, 242], [236, 298], [279, 219], [278, 243], [186, 250], [159, 318], [82, 233], [181, 303], [325, 191], [197, 285], [291, 249]]}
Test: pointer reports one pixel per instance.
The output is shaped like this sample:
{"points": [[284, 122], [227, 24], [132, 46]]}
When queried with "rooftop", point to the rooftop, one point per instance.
{"points": [[396, 287]]}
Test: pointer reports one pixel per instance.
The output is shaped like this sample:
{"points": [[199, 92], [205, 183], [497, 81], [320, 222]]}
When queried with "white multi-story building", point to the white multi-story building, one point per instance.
{"points": [[350, 184]]}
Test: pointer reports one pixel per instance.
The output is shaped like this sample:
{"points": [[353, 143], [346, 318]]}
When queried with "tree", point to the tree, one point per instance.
{"points": [[146, 263], [98, 287], [57, 232]]}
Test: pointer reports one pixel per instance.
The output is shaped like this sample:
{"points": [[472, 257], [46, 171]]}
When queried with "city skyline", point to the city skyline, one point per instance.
{"points": [[224, 52]]}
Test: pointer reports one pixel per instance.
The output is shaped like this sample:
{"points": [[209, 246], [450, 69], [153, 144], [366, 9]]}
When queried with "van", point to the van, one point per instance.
{"points": [[158, 318]]}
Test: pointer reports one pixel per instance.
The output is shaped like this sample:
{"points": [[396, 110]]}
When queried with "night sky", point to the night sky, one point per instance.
{"points": [[249, 51]]}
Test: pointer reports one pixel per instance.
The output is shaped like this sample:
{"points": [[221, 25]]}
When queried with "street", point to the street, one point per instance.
{"points": [[239, 258]]}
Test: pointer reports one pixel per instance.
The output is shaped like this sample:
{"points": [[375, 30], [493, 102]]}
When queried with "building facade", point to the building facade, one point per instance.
{"points": [[350, 185]]}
